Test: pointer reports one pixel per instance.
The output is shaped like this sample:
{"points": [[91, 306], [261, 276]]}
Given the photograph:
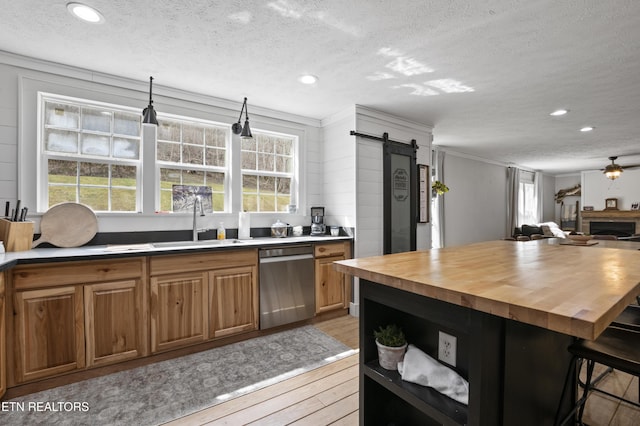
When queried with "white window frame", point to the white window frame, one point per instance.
{"points": [[227, 169], [294, 175], [43, 156]]}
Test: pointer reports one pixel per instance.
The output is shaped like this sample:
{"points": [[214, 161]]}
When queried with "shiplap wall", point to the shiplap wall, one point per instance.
{"points": [[21, 78]]}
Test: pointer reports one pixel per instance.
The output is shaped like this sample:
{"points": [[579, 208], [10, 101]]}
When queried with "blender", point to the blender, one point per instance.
{"points": [[317, 221]]}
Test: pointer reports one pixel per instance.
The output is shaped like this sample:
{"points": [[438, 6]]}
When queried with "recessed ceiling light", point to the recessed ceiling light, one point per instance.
{"points": [[85, 13], [559, 112], [587, 129], [307, 79]]}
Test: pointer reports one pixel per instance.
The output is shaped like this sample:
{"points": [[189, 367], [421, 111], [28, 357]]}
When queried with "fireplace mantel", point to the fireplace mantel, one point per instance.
{"points": [[609, 215]]}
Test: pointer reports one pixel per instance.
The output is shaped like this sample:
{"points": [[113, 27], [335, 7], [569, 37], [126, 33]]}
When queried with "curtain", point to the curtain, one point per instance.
{"points": [[539, 191], [513, 180], [437, 229]]}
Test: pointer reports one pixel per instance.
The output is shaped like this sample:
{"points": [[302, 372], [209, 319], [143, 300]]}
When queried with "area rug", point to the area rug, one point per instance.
{"points": [[167, 390]]}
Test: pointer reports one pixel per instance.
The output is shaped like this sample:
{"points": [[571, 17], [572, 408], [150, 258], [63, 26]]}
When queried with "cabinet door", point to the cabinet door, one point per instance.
{"points": [[113, 321], [330, 285], [3, 341], [178, 310], [233, 301], [49, 335]]}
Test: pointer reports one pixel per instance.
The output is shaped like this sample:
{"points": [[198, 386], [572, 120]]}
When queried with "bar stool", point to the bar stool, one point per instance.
{"points": [[617, 348]]}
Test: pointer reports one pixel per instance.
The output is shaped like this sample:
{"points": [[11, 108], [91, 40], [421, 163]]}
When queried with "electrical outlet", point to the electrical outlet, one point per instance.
{"points": [[447, 348]]}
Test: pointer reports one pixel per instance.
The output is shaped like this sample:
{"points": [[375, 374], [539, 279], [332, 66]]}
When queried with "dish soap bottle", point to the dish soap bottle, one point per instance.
{"points": [[222, 233]]}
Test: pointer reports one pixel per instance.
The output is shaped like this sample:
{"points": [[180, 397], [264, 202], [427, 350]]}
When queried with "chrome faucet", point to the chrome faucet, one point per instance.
{"points": [[197, 201]]}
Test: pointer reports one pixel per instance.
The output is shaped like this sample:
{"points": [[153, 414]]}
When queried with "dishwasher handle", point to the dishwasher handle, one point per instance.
{"points": [[285, 258]]}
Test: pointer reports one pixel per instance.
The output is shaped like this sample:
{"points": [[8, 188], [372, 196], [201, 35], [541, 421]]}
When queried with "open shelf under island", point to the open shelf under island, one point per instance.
{"points": [[513, 308]]}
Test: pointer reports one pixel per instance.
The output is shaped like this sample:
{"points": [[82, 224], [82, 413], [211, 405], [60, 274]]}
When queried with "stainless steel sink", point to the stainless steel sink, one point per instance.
{"points": [[200, 243]]}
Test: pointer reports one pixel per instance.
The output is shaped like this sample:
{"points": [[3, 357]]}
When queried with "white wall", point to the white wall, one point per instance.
{"points": [[548, 195], [596, 188], [369, 191], [339, 171], [475, 206]]}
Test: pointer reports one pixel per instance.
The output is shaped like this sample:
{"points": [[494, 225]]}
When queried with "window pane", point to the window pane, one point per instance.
{"points": [[267, 203], [94, 174], [61, 141], [215, 157], [250, 183], [124, 176], [284, 186], [126, 148], [249, 161], [95, 145], [169, 131], [250, 202], [170, 177], [61, 194], [193, 177], [248, 144], [96, 198], [60, 171], [62, 115], [169, 152], [126, 124], [283, 164], [192, 154], [215, 137], [267, 184], [265, 162], [216, 181], [192, 134], [217, 200], [265, 144], [283, 147], [96, 120], [123, 200]]}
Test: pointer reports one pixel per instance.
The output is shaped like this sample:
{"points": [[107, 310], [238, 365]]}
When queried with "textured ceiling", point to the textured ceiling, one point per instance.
{"points": [[512, 62]]}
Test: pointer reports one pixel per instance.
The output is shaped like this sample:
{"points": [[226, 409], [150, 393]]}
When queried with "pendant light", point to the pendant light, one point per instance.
{"points": [[613, 170], [239, 129], [149, 114]]}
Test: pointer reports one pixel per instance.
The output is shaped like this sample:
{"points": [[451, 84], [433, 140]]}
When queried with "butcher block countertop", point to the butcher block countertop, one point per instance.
{"points": [[569, 289]]}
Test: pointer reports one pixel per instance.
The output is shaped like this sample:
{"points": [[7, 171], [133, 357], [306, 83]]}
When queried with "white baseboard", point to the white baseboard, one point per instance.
{"points": [[354, 309]]}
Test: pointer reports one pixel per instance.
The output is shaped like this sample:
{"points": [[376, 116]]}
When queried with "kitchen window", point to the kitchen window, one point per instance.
{"points": [[194, 154], [90, 154], [268, 178]]}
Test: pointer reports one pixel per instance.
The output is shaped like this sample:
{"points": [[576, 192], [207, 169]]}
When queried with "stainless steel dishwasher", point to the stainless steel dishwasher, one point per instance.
{"points": [[287, 288]]}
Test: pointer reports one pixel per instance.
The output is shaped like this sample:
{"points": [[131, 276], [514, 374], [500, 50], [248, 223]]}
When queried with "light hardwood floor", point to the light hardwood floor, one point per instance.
{"points": [[329, 395]]}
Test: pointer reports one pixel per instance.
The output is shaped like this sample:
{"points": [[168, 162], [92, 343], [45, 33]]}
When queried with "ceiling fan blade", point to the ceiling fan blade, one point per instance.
{"points": [[630, 166]]}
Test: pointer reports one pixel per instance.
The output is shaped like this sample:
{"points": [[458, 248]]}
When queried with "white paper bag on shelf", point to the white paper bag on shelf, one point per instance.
{"points": [[420, 368]]}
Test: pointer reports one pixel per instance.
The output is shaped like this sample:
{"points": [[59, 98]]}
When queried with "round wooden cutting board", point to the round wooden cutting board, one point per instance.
{"points": [[67, 225]]}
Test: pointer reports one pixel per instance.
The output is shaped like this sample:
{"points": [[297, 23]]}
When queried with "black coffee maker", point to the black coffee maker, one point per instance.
{"points": [[317, 221]]}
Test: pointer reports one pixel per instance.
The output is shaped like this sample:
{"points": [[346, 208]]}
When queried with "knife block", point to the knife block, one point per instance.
{"points": [[17, 236]]}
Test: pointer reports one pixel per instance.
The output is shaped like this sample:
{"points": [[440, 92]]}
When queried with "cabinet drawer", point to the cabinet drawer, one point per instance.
{"points": [[81, 272], [176, 263], [332, 249]]}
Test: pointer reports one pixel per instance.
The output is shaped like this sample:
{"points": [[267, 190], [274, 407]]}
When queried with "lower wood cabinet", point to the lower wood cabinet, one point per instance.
{"points": [[233, 301], [197, 297], [74, 315], [178, 310], [113, 314], [49, 334], [333, 288]]}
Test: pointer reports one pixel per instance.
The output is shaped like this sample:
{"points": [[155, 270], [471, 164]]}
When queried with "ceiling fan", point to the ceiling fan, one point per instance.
{"points": [[613, 170]]}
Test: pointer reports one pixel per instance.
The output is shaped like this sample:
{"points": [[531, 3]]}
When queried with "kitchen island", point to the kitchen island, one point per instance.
{"points": [[513, 309]]}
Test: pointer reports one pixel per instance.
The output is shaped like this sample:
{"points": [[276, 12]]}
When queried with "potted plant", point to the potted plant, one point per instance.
{"points": [[439, 188], [391, 346]]}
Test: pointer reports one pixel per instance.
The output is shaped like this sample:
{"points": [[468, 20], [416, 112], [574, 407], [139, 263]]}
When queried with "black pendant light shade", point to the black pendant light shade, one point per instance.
{"points": [[239, 129], [149, 114]]}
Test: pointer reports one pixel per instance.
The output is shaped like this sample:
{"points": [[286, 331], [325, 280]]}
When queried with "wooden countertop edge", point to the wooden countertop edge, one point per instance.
{"points": [[548, 320]]}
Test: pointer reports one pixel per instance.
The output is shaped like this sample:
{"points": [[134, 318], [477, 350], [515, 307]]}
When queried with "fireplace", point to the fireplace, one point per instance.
{"points": [[619, 229]]}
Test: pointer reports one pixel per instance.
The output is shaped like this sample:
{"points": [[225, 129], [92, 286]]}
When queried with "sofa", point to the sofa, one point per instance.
{"points": [[537, 231]]}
